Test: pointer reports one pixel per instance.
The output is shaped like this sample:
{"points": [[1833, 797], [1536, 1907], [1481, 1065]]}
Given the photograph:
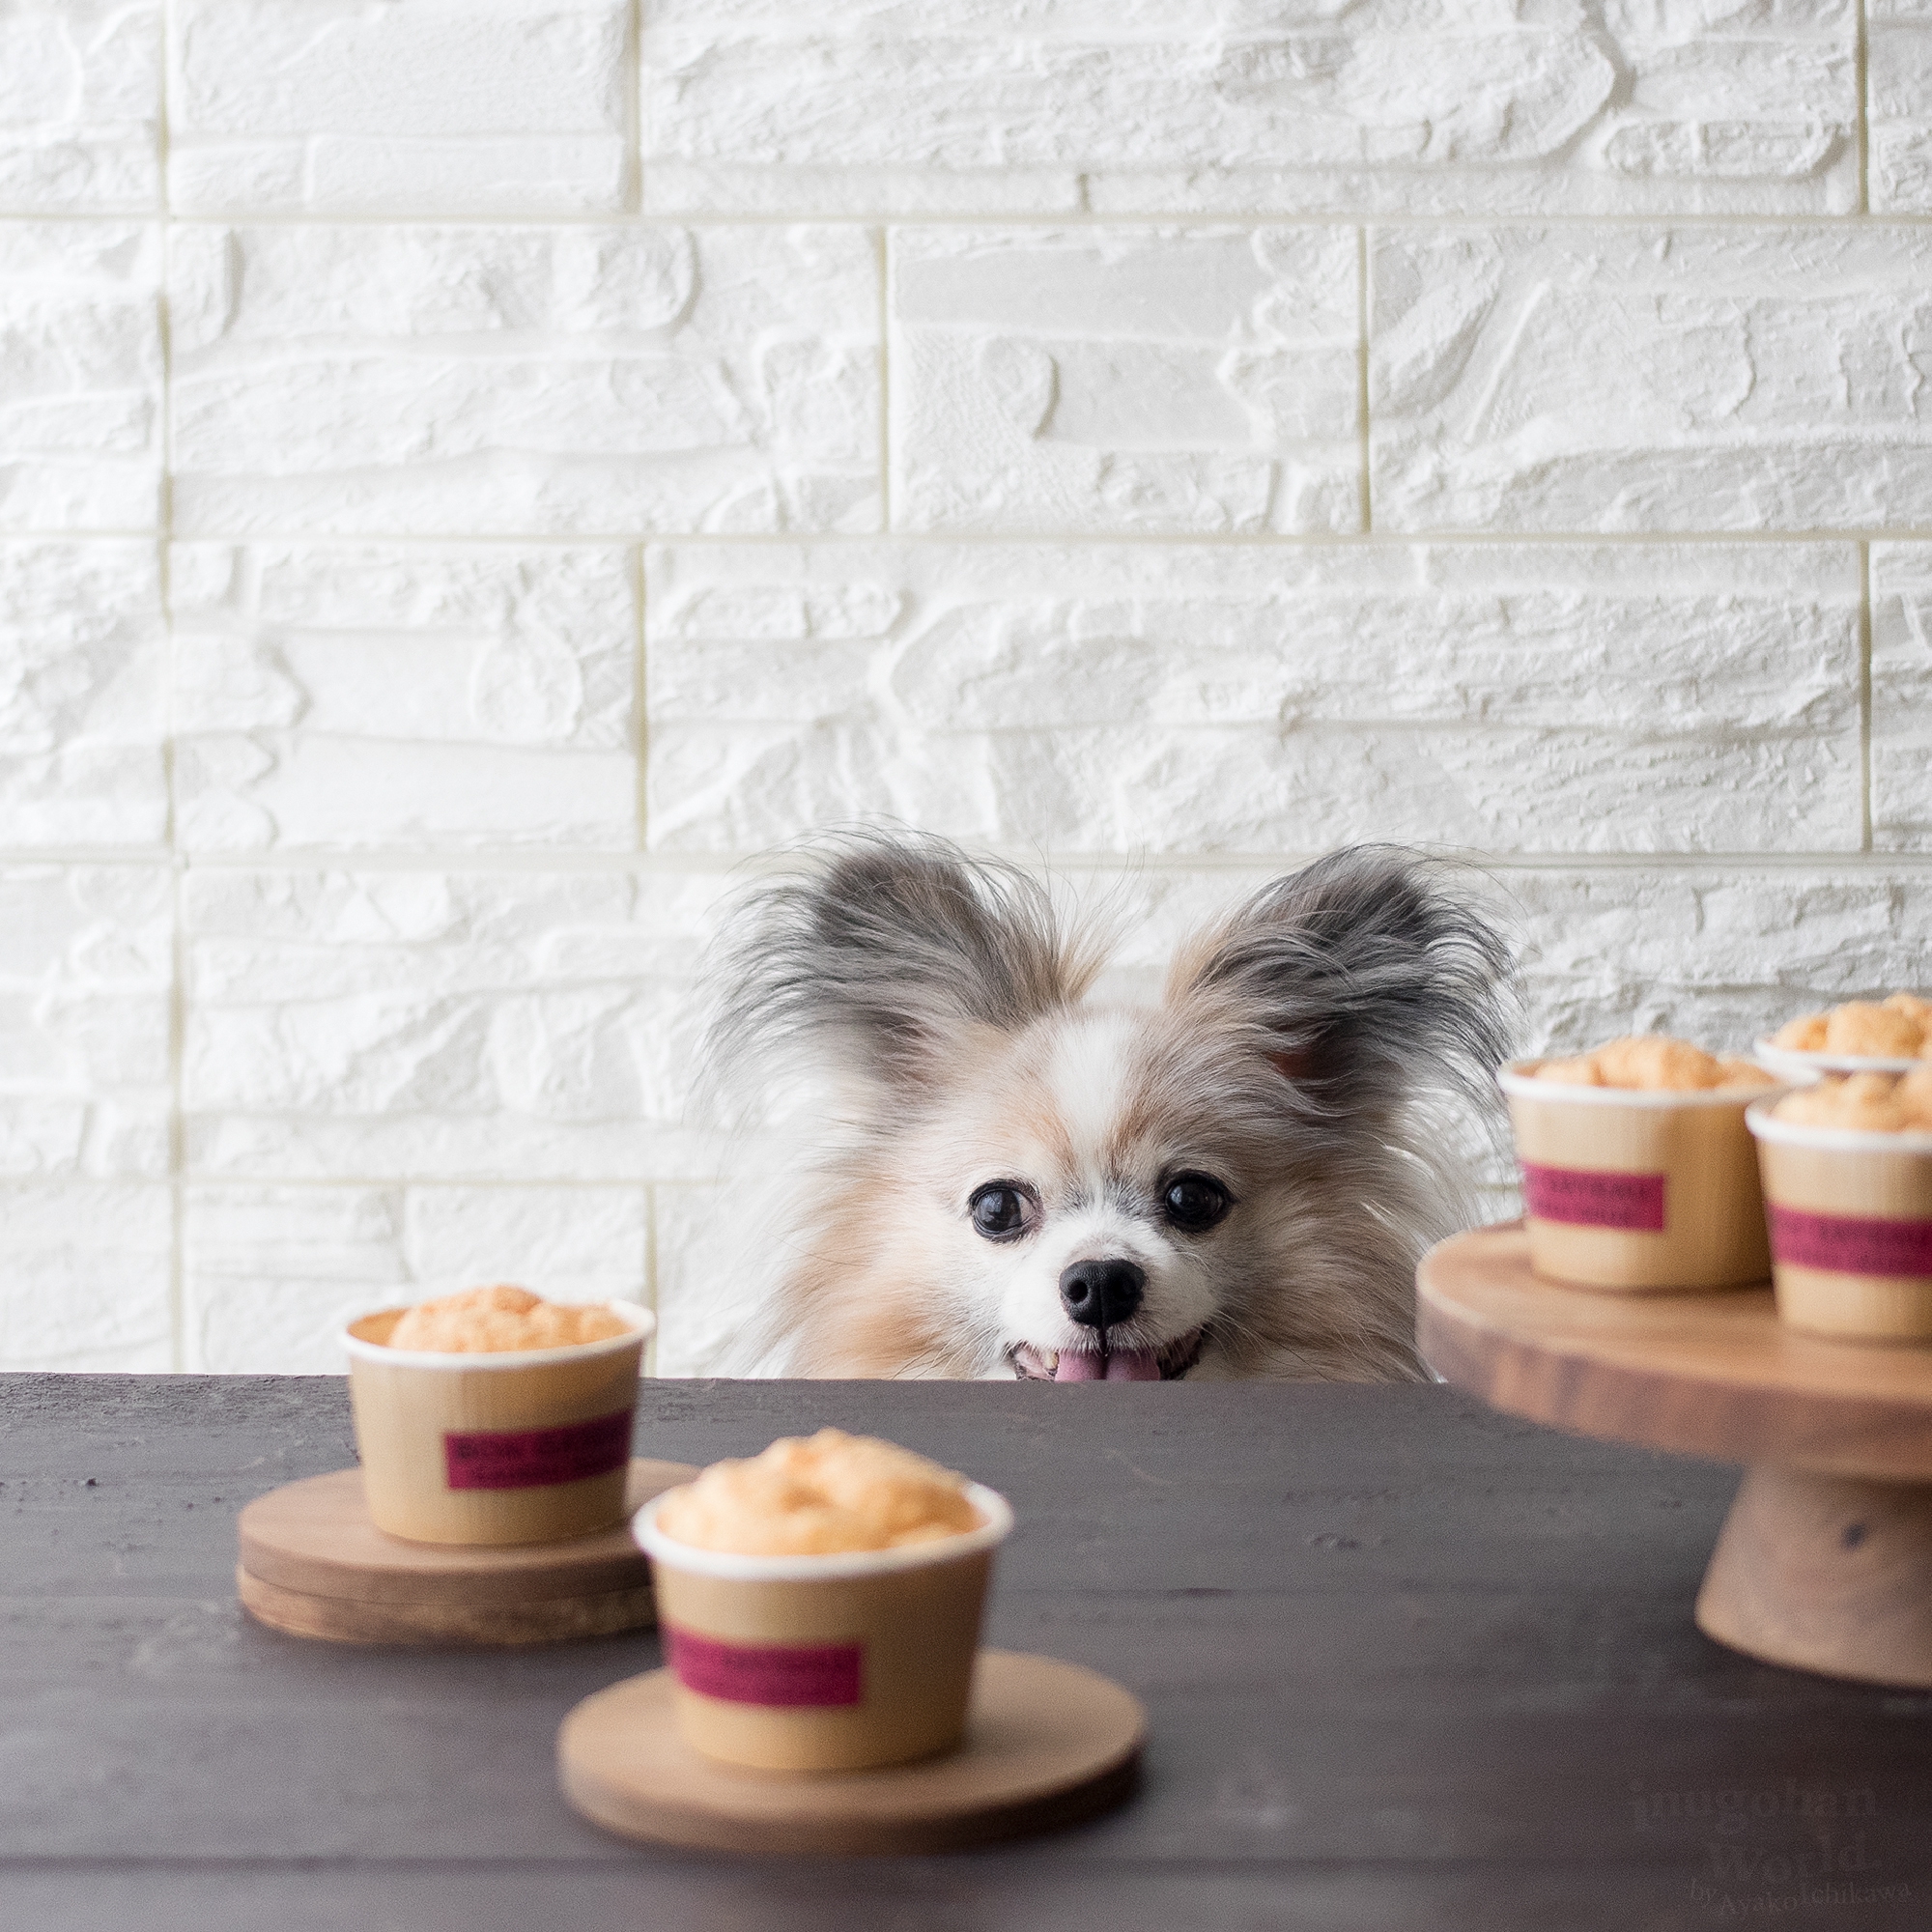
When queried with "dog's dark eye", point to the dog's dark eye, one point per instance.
{"points": [[1193, 1202], [1000, 1211]]}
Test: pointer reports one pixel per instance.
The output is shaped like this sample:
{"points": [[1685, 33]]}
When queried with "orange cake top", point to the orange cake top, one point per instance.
{"points": [[494, 1321], [1874, 1103], [814, 1494], [1899, 1028], [1653, 1063]]}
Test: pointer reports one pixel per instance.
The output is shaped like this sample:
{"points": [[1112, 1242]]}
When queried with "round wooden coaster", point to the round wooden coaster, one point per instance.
{"points": [[1047, 1745], [313, 1564]]}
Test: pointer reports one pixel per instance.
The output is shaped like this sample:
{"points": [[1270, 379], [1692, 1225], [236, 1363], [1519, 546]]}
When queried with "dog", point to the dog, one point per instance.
{"points": [[1009, 1179]]}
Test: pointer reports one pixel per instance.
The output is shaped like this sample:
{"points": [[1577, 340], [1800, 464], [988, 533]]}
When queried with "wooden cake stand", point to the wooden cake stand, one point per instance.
{"points": [[312, 1564], [1824, 1561], [1047, 1745]]}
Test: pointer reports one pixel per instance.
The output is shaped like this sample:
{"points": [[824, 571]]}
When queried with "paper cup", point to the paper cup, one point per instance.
{"points": [[1635, 1189], [527, 1446], [830, 1662], [1851, 1227], [1801, 1068]]}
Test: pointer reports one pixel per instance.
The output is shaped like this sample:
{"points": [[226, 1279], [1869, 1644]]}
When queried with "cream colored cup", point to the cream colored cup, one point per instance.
{"points": [[524, 1446], [1851, 1227], [1638, 1189], [829, 1663]]}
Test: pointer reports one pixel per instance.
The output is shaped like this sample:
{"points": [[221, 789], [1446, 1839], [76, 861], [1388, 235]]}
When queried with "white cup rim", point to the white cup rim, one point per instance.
{"points": [[1795, 1062], [1760, 1120], [643, 1324], [994, 1508], [1518, 1085]]}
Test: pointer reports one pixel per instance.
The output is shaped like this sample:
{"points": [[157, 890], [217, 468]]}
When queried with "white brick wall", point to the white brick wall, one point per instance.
{"points": [[1388, 106], [80, 99], [1630, 377], [80, 376], [1113, 698], [473, 471], [438, 106], [332, 695], [422, 379], [1196, 380], [1899, 57]]}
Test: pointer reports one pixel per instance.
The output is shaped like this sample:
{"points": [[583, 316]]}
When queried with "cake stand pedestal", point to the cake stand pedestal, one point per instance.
{"points": [[1825, 1562]]}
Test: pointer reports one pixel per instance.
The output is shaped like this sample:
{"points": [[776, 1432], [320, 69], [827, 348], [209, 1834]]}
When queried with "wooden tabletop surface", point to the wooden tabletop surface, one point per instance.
{"points": [[1409, 1663]]}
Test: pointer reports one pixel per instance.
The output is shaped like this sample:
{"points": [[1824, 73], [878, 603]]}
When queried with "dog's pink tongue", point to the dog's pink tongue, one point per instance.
{"points": [[1123, 1365]]}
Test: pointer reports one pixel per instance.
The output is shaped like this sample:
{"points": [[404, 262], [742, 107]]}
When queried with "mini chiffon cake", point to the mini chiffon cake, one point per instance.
{"points": [[1898, 1028], [815, 1496], [1652, 1063], [1871, 1104], [497, 1320]]}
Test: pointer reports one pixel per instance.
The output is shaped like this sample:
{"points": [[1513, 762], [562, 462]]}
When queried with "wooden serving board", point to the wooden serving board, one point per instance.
{"points": [[1712, 1374], [1824, 1561], [1047, 1745], [312, 1564]]}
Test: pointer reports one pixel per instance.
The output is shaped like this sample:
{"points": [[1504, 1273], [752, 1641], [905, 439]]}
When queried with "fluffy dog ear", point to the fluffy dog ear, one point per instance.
{"points": [[891, 949], [1364, 977]]}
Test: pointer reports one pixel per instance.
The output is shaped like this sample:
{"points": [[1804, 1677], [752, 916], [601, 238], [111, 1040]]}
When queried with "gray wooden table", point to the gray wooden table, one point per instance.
{"points": [[1409, 1663]]}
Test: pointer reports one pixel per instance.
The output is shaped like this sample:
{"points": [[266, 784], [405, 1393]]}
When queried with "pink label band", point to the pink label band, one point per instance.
{"points": [[536, 1459], [819, 1676], [1590, 1197], [1847, 1244]]}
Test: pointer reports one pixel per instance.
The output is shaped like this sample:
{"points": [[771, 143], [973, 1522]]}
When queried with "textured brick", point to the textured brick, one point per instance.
{"points": [[1723, 956], [1630, 379], [1177, 698], [695, 1322], [84, 1277], [404, 695], [491, 1025], [1167, 106], [417, 107], [273, 1273], [576, 1244], [86, 966], [80, 376], [1719, 953], [80, 92], [576, 379], [1050, 382], [1901, 699], [83, 698], [1898, 90]]}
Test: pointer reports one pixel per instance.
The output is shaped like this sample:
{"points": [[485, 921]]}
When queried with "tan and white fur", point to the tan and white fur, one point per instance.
{"points": [[1012, 1178]]}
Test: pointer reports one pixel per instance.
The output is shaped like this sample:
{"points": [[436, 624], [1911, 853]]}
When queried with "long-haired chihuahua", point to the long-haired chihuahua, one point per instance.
{"points": [[1008, 1178]]}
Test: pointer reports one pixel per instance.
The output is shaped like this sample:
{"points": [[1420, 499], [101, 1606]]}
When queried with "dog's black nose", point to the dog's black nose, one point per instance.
{"points": [[1100, 1295]]}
